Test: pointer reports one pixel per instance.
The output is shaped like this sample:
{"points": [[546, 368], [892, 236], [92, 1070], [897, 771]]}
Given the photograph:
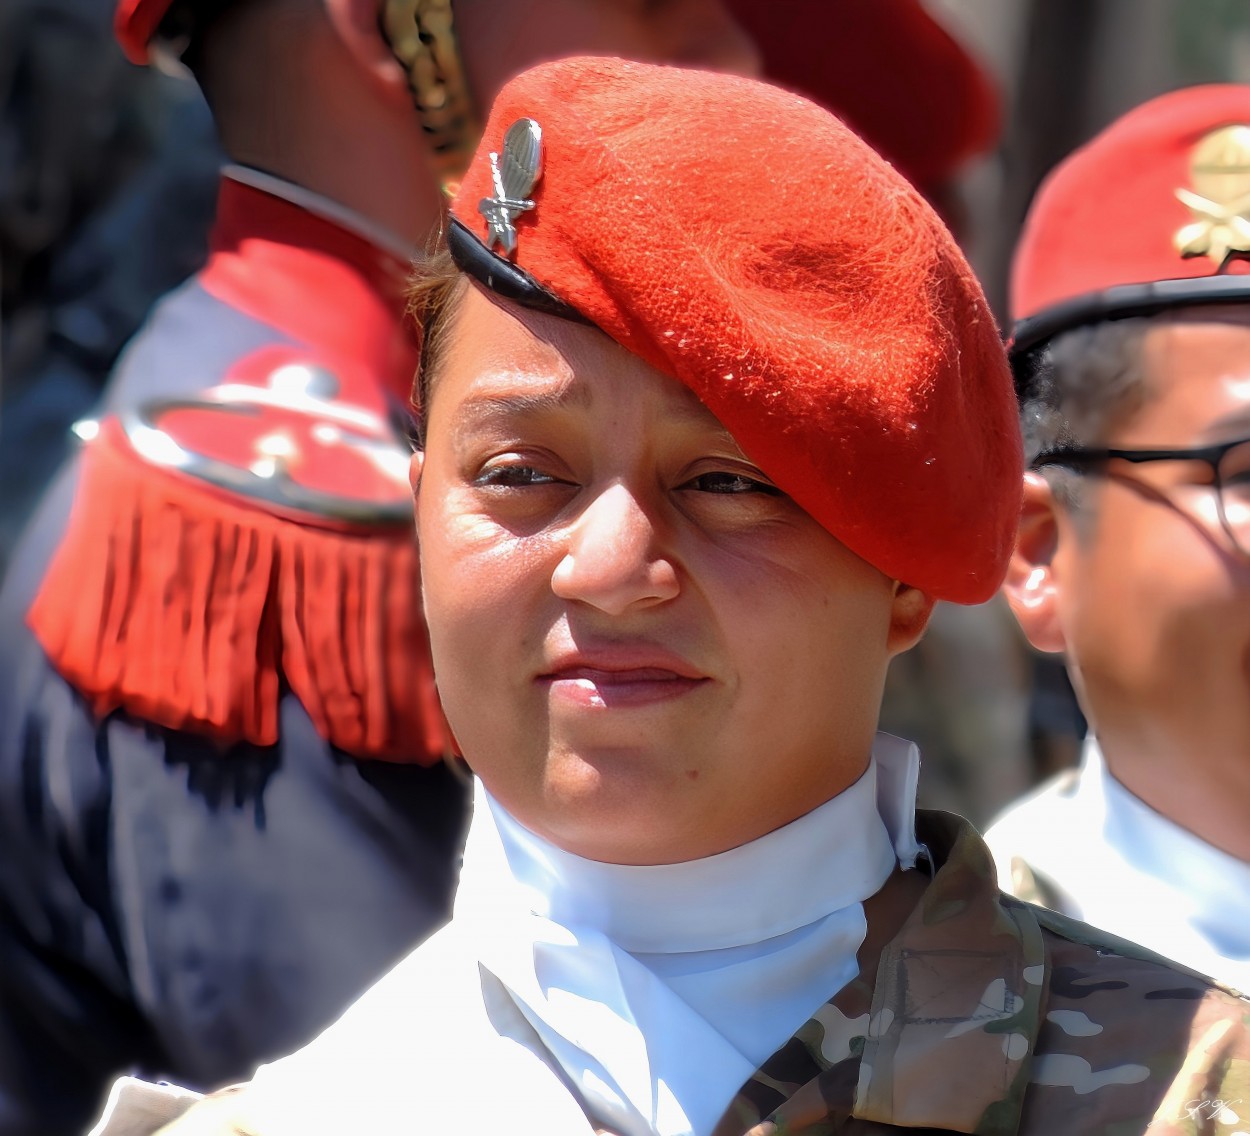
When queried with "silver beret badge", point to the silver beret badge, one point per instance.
{"points": [[515, 173]]}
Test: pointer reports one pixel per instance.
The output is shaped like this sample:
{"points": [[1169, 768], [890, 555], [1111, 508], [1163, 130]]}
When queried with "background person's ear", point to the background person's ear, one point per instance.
{"points": [[357, 23], [909, 617], [1032, 584]]}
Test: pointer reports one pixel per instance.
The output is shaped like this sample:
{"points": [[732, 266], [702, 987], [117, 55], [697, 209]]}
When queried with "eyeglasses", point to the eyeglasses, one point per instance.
{"points": [[1230, 469]]}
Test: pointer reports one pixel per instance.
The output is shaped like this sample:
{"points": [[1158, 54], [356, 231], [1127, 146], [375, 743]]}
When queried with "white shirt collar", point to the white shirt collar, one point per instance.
{"points": [[769, 887], [658, 990], [1212, 887]]}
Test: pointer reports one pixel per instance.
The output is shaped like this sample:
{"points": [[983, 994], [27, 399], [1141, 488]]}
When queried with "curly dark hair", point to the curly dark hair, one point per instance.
{"points": [[1073, 390]]}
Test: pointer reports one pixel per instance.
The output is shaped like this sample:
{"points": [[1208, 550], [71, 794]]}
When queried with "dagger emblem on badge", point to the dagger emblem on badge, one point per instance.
{"points": [[514, 173]]}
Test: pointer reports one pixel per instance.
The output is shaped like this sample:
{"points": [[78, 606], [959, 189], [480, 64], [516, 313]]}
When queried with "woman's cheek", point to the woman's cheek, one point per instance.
{"points": [[470, 533]]}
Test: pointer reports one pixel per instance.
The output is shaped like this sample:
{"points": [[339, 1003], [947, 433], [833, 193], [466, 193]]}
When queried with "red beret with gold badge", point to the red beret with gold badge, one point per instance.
{"points": [[1153, 213], [743, 241]]}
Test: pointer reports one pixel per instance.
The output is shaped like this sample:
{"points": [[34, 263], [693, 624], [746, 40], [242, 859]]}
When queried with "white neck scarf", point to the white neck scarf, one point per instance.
{"points": [[659, 990], [1148, 879]]}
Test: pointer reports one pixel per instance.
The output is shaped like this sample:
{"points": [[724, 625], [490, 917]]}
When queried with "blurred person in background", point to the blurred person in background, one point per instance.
{"points": [[223, 799], [1131, 347], [107, 185]]}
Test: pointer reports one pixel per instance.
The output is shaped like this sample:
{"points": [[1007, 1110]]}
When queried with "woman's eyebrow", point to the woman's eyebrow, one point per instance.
{"points": [[490, 406], [485, 406]]}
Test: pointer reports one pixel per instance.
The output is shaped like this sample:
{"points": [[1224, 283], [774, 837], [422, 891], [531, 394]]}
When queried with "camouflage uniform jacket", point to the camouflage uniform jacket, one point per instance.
{"points": [[987, 1015], [974, 1013]]}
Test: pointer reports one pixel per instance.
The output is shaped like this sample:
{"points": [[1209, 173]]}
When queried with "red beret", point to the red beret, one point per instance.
{"points": [[743, 241], [1153, 213]]}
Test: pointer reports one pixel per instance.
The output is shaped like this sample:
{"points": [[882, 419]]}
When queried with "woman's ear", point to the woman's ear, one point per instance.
{"points": [[1032, 584], [358, 25], [909, 617]]}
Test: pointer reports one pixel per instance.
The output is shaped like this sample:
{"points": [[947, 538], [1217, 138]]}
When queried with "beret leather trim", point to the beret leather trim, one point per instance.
{"points": [[502, 276], [1125, 301]]}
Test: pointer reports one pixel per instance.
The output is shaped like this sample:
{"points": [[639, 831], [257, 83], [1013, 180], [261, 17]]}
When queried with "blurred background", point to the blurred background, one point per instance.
{"points": [[107, 185]]}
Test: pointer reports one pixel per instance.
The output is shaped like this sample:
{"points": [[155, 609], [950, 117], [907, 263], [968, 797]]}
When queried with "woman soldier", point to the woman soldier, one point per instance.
{"points": [[714, 411]]}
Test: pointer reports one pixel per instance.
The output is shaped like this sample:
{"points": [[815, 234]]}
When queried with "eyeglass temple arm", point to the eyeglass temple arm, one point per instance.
{"points": [[1080, 456]]}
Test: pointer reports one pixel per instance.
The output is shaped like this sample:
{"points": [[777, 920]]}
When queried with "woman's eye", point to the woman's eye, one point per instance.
{"points": [[723, 482], [512, 475]]}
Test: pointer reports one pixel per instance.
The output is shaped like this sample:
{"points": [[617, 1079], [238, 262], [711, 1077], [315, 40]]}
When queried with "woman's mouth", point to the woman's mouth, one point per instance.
{"points": [[607, 685]]}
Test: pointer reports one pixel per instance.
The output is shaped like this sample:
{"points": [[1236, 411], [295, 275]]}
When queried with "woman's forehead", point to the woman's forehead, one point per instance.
{"points": [[501, 358], [491, 335]]}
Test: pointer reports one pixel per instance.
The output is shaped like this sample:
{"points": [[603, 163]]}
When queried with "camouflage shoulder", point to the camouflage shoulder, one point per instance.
{"points": [[1132, 1043], [1107, 944]]}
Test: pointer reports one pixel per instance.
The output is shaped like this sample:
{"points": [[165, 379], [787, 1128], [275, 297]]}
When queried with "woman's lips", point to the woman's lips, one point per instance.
{"points": [[602, 687]]}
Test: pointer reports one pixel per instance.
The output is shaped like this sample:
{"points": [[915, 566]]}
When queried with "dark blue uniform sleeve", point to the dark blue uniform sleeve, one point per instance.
{"points": [[179, 911], [67, 1017]]}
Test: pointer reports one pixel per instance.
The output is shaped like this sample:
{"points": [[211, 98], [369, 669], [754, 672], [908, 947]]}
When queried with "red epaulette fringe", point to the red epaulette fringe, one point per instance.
{"points": [[190, 609]]}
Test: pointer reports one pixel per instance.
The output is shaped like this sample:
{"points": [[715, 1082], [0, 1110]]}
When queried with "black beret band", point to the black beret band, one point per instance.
{"points": [[502, 276], [1125, 301]]}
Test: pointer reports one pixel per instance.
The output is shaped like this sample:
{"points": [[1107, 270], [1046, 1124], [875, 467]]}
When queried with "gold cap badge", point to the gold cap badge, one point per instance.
{"points": [[1219, 172]]}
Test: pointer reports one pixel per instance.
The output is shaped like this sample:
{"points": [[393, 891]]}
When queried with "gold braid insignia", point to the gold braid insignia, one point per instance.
{"points": [[422, 35]]}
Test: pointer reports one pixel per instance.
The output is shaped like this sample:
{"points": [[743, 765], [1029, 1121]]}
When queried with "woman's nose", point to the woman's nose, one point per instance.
{"points": [[614, 559]]}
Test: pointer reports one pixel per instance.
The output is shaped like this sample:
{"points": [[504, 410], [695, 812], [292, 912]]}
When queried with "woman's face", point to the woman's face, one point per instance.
{"points": [[647, 652]]}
